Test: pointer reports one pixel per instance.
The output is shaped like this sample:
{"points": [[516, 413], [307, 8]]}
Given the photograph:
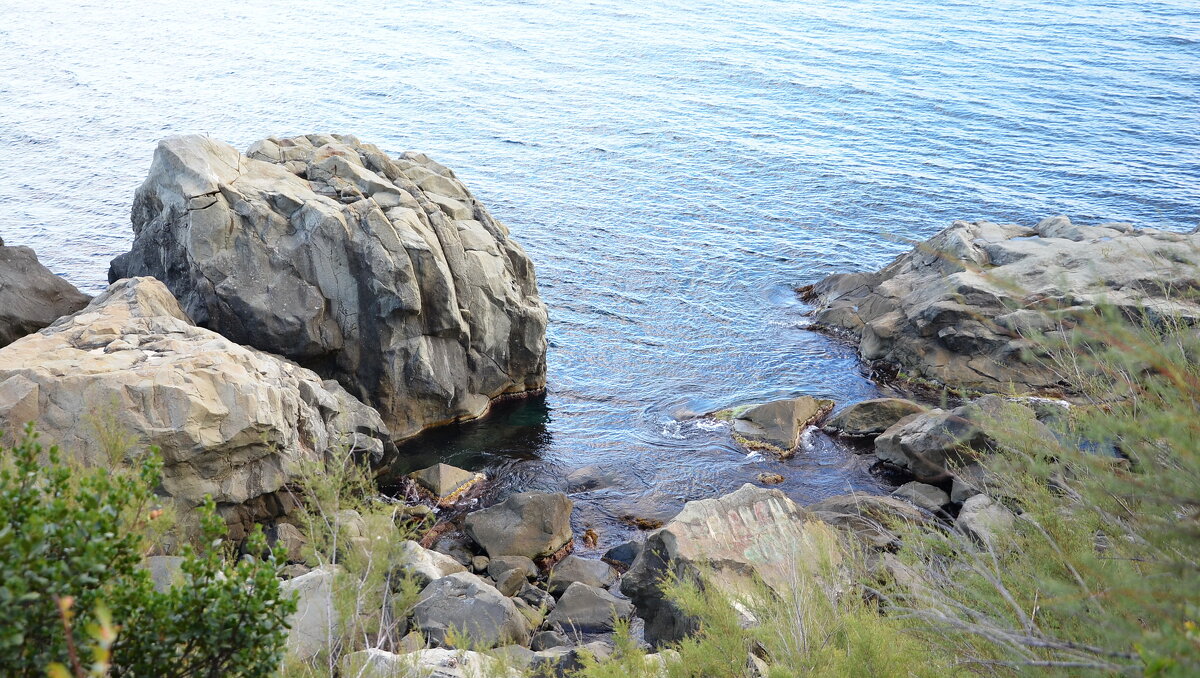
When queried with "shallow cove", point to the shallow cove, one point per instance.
{"points": [[673, 169]]}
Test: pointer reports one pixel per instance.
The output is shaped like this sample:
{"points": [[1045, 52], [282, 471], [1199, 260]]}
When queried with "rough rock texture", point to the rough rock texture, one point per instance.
{"points": [[464, 602], [923, 496], [499, 565], [230, 421], [446, 482], [575, 569], [316, 615], [752, 532], [530, 524], [587, 609], [928, 444], [423, 565], [31, 297], [382, 273], [984, 519], [776, 425], [871, 417], [953, 310], [867, 516], [433, 663]]}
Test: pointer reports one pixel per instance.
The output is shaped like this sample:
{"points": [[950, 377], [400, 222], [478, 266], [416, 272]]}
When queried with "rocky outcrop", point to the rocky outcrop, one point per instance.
{"points": [[383, 273], [131, 371], [530, 524], [930, 444], [959, 307], [31, 297], [752, 534], [775, 426]]}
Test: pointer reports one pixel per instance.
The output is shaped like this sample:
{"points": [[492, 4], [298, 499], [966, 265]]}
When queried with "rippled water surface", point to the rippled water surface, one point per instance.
{"points": [[673, 168]]}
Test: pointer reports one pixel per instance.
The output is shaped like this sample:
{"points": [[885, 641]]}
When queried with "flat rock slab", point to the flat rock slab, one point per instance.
{"points": [[446, 482]]}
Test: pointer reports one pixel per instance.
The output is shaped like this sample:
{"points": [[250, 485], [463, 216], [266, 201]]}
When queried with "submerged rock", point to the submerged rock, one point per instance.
{"points": [[530, 524], [383, 273], [776, 426], [752, 534], [131, 371], [958, 308], [31, 297]]}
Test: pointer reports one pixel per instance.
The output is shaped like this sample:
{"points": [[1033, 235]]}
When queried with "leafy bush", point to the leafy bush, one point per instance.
{"points": [[78, 535]]}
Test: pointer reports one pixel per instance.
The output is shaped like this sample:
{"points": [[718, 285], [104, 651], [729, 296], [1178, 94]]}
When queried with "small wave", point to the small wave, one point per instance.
{"points": [[710, 425], [672, 429]]}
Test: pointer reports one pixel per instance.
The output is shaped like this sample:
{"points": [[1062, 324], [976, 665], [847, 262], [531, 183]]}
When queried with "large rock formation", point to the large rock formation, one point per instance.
{"points": [[959, 307], [750, 535], [230, 421], [383, 273], [31, 297]]}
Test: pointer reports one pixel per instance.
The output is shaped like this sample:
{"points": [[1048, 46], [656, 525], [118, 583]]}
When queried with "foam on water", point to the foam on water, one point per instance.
{"points": [[674, 169]]}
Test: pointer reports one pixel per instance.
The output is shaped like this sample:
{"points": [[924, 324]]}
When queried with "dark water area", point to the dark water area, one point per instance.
{"points": [[674, 169]]}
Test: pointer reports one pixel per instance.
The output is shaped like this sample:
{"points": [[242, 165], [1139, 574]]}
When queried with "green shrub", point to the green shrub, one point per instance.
{"points": [[79, 534]]}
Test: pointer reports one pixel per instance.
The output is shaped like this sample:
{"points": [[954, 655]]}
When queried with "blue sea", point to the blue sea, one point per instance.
{"points": [[674, 169]]}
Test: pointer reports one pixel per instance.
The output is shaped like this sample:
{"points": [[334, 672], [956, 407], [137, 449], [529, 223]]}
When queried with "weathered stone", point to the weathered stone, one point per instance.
{"points": [[479, 564], [587, 609], [960, 307], [931, 443], [383, 273], [510, 582], [985, 520], [165, 571], [536, 597], [472, 607], [432, 663], [501, 564], [530, 524], [776, 426], [623, 554], [753, 534], [923, 496], [562, 662], [584, 570], [315, 619], [131, 371], [31, 297], [870, 418], [288, 543], [544, 640], [868, 517], [446, 482], [424, 565]]}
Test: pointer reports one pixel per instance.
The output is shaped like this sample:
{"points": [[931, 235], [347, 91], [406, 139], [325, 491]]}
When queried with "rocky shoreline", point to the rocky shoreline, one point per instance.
{"points": [[315, 298]]}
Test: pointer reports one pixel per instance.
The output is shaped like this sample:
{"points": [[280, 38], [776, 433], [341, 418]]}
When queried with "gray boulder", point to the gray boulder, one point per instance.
{"points": [[315, 621], [584, 570], [959, 308], [230, 421], [623, 554], [931, 444], [469, 605], [446, 482], [587, 609], [165, 571], [499, 565], [776, 426], [869, 418], [984, 520], [423, 565], [923, 496], [530, 524], [31, 297], [383, 273], [868, 517], [753, 534], [431, 663]]}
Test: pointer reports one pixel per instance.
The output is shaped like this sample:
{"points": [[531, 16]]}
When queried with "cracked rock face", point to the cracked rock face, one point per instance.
{"points": [[229, 420], [957, 308], [383, 273]]}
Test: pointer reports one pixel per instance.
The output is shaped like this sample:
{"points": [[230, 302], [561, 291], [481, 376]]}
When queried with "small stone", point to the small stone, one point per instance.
{"points": [[544, 640], [623, 554], [536, 597], [501, 564], [984, 520], [424, 565], [479, 564], [510, 582], [770, 478]]}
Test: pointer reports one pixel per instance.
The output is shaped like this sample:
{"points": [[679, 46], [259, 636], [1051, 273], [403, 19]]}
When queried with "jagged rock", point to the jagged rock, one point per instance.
{"points": [[776, 426], [923, 496], [499, 565], [383, 273], [432, 663], [575, 569], [31, 297], [930, 444], [870, 418], [316, 617], [985, 520], [958, 308], [131, 370], [424, 565], [530, 524], [466, 603], [587, 609], [750, 534], [446, 482]]}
